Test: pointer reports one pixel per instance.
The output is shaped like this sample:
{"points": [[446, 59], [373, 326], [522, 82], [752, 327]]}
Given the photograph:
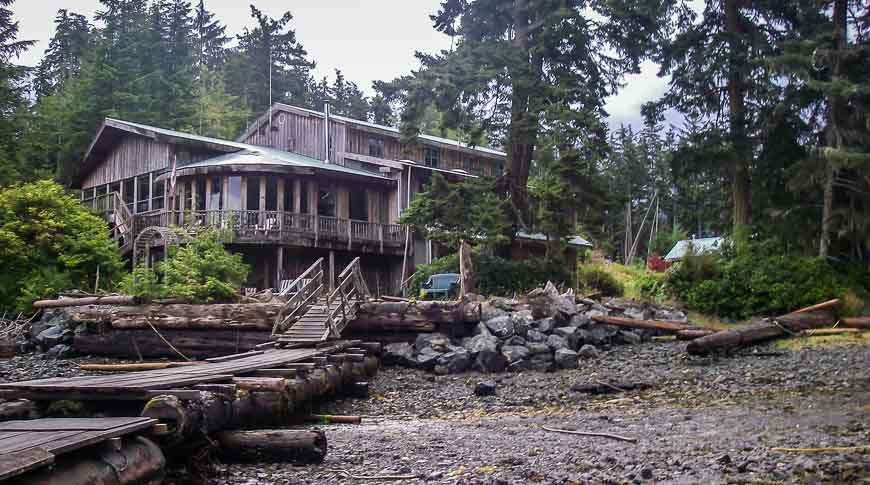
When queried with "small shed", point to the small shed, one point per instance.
{"points": [[686, 247]]}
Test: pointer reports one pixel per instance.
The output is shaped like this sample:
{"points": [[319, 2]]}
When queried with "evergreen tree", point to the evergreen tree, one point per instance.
{"points": [[63, 58], [210, 38], [14, 112], [348, 99]]}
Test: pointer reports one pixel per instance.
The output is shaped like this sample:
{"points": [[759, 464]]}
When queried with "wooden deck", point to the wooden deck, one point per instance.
{"points": [[143, 385], [30, 444]]}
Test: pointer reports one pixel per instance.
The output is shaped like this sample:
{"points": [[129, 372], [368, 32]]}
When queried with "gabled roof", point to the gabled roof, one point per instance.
{"points": [[383, 129], [575, 240], [694, 246], [103, 142]]}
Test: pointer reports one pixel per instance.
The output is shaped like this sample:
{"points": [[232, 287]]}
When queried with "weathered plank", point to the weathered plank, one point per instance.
{"points": [[16, 463]]}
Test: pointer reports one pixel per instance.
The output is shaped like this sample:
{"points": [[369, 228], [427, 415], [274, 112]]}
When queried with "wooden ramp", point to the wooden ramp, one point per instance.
{"points": [[30, 444], [312, 314]]}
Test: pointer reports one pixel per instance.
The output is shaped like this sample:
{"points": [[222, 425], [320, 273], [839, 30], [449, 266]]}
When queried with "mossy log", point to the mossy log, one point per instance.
{"points": [[298, 446]]}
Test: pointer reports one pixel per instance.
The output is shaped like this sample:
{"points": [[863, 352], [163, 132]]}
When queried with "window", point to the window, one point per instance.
{"points": [[253, 196], [188, 196], [100, 190], [215, 201], [288, 195], [128, 193], [359, 206], [200, 194], [143, 189], [468, 165], [303, 197], [234, 193], [432, 157], [115, 187], [271, 194], [376, 147], [326, 203], [157, 192]]}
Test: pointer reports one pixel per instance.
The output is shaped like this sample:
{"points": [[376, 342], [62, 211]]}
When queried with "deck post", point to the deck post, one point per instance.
{"points": [[279, 268], [331, 270]]}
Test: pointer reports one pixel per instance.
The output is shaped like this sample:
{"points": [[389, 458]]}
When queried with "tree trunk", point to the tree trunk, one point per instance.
{"points": [[283, 446], [661, 325], [93, 300], [466, 270], [248, 316], [833, 135], [146, 343], [737, 62], [760, 331]]}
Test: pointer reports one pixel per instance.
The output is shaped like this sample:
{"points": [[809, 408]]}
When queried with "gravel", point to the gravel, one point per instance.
{"points": [[711, 420]]}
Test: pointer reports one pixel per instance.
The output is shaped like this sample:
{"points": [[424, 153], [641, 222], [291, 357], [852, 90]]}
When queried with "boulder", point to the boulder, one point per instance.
{"points": [[556, 342], [59, 351], [485, 388], [522, 321], [570, 335], [588, 352], [543, 301], [674, 315], [489, 360], [541, 362], [515, 340], [601, 333], [536, 348], [489, 310], [638, 313], [428, 358], [455, 361], [502, 327], [515, 355], [480, 329], [50, 318], [629, 337], [565, 359], [399, 353], [437, 341], [52, 336], [545, 325], [535, 336], [580, 320]]}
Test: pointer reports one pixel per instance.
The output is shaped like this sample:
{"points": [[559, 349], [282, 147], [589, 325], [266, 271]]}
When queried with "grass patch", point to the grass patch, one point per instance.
{"points": [[824, 341]]}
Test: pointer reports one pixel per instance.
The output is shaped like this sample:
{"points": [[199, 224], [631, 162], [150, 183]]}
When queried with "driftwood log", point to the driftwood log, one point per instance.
{"points": [[298, 446], [661, 325], [91, 300], [855, 322], [250, 316], [138, 461], [408, 313], [192, 343], [760, 330]]}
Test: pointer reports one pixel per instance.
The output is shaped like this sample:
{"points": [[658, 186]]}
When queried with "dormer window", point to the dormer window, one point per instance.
{"points": [[432, 157], [376, 147]]}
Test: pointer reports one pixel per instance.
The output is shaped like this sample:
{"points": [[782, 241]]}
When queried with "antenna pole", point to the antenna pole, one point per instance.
{"points": [[270, 95]]}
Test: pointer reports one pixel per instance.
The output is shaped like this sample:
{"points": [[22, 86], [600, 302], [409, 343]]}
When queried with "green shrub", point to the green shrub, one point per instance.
{"points": [[200, 270], [758, 278], [594, 278], [495, 276], [48, 243]]}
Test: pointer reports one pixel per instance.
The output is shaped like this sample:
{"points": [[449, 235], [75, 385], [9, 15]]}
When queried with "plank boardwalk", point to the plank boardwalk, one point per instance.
{"points": [[30, 444]]}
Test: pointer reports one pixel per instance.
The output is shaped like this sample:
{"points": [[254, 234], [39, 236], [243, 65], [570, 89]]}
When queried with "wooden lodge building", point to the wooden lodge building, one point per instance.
{"points": [[297, 185]]}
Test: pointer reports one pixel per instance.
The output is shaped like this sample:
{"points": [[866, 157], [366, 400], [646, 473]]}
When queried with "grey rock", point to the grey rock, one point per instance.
{"points": [[485, 388], [522, 321], [456, 361], [399, 353], [535, 336], [60, 351], [542, 301], [428, 358], [501, 327], [480, 329], [515, 355], [541, 362], [638, 313], [588, 352], [565, 359], [570, 335], [556, 342], [601, 333], [488, 311], [629, 337], [515, 340], [52, 336], [665, 314], [580, 320], [479, 343], [438, 342], [646, 474], [545, 325], [484, 350], [536, 348]]}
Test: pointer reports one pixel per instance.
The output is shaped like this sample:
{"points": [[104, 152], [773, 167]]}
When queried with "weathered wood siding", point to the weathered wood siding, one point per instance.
{"points": [[133, 155], [301, 133]]}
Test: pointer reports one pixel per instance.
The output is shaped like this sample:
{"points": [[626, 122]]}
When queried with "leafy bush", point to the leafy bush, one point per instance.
{"points": [[48, 243], [757, 278], [594, 278], [495, 276], [200, 270]]}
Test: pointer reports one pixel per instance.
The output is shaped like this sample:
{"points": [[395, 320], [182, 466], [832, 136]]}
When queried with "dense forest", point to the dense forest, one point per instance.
{"points": [[772, 142]]}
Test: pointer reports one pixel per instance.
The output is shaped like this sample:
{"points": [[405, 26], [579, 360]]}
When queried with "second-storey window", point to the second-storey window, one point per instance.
{"points": [[432, 157], [376, 147]]}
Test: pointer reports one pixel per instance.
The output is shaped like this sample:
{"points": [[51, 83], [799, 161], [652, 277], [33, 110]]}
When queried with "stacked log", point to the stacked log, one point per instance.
{"points": [[287, 445], [250, 316], [760, 330]]}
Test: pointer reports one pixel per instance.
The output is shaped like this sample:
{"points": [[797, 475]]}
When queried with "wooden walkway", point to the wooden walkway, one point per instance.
{"points": [[30, 444], [145, 384]]}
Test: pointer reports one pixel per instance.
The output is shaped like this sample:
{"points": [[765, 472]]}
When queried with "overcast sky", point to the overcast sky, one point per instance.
{"points": [[367, 39]]}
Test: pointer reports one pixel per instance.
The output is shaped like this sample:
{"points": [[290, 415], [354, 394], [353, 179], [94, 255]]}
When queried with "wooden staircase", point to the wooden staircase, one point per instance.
{"points": [[312, 314]]}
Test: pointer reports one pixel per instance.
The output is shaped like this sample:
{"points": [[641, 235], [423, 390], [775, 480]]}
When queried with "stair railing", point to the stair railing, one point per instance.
{"points": [[310, 288]]}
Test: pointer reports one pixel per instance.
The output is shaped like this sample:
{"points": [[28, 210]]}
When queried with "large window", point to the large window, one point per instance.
{"points": [[129, 193], [288, 195], [115, 187], [143, 185], [215, 201], [188, 196], [200, 194], [359, 207], [272, 193], [253, 196], [326, 202], [303, 197], [157, 192], [432, 157], [234, 193], [376, 147]]}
